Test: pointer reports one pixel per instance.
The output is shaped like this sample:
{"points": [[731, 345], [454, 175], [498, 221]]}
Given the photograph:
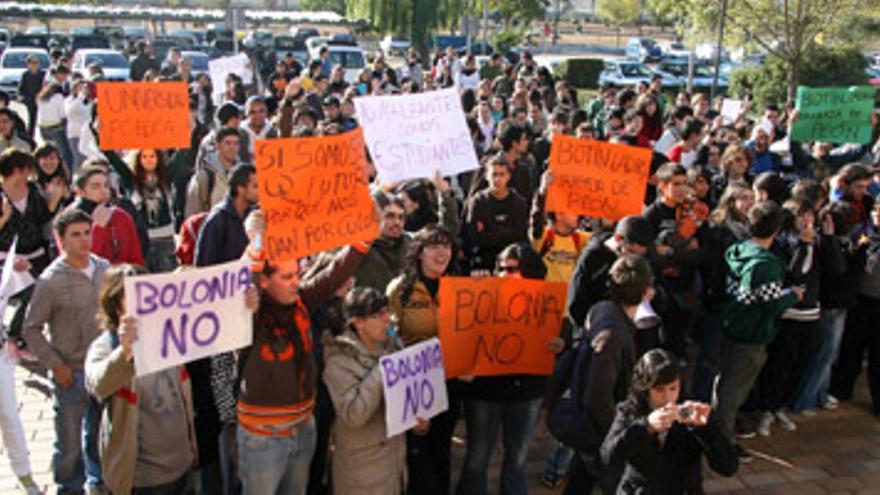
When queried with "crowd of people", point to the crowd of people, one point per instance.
{"points": [[741, 298]]}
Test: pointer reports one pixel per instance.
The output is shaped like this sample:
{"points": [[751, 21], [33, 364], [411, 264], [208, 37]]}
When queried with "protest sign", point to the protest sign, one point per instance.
{"points": [[730, 110], [189, 315], [219, 68], [315, 194], [597, 179], [414, 385], [835, 115], [137, 115], [412, 136], [499, 326]]}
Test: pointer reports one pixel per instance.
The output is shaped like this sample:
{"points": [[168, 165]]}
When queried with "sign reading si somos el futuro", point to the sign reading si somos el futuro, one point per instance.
{"points": [[189, 315], [414, 385], [412, 136]]}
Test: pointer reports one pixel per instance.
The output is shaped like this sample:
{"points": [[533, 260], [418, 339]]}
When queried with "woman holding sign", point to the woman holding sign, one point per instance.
{"points": [[414, 304], [365, 460]]}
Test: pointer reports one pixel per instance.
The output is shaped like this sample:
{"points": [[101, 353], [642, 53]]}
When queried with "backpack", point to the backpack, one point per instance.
{"points": [[567, 417]]}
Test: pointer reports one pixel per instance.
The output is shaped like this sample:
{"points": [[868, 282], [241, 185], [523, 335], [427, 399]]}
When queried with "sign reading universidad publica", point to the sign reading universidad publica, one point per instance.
{"points": [[414, 385], [413, 136], [834, 115], [137, 115], [189, 315]]}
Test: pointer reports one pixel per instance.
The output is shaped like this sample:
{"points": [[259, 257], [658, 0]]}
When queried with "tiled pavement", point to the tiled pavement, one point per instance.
{"points": [[834, 452]]}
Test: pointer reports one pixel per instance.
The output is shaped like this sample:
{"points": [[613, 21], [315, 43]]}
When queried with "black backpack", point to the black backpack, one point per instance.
{"points": [[567, 417]]}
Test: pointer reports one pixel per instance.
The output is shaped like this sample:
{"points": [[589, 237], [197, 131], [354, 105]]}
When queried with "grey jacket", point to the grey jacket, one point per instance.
{"points": [[365, 462], [68, 301]]}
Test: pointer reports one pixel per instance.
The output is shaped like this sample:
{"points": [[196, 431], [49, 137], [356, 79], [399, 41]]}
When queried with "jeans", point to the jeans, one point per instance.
{"points": [[813, 388], [13, 432], [740, 366], [559, 461], [78, 158], [182, 486], [517, 420], [276, 464], [859, 338], [77, 421]]}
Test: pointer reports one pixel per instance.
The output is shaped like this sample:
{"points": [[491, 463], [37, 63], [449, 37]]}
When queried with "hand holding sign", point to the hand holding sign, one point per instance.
{"points": [[414, 387], [128, 335]]}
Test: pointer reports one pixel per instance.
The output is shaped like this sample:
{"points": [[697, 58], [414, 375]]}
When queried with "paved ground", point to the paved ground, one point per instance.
{"points": [[834, 452]]}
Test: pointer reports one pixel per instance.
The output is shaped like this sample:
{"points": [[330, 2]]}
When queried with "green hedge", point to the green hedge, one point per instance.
{"points": [[581, 72]]}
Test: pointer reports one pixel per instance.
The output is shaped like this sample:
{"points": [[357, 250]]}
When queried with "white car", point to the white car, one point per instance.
{"points": [[351, 58], [113, 63], [391, 44], [674, 50], [13, 63]]}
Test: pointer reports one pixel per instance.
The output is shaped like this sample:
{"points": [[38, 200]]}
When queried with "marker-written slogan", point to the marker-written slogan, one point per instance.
{"points": [[597, 179], [414, 385], [189, 315], [315, 193], [499, 326], [135, 115], [836, 115]]}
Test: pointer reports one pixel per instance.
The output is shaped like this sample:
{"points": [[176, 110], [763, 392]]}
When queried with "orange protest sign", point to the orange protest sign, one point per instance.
{"points": [[597, 179], [499, 326], [137, 115], [315, 194]]}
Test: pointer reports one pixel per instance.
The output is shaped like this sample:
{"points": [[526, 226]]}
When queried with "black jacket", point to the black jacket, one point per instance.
{"points": [[30, 84], [589, 283], [141, 64], [674, 467], [222, 237], [492, 224]]}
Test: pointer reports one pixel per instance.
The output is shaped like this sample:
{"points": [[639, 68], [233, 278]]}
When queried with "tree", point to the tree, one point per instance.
{"points": [[337, 6], [619, 13]]}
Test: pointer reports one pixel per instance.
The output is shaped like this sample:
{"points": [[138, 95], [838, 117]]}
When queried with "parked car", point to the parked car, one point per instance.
{"points": [[30, 41], [258, 38], [162, 45], [13, 63], [199, 61], [84, 42], [351, 58], [113, 63], [703, 74], [4, 38], [198, 37], [218, 31], [304, 32], [674, 51], [643, 50], [343, 39], [282, 45], [706, 51], [391, 44], [628, 73]]}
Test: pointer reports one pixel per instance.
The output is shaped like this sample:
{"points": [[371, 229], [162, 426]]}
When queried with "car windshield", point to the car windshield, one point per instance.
{"points": [[400, 39], [199, 61], [18, 60], [647, 43], [634, 70], [289, 43], [107, 60], [674, 69], [35, 41], [676, 46], [89, 42], [348, 60]]}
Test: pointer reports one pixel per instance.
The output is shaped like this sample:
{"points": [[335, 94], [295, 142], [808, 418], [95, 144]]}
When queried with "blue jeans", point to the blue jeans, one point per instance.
{"points": [[75, 458], [559, 461], [813, 388], [270, 465], [483, 417]]}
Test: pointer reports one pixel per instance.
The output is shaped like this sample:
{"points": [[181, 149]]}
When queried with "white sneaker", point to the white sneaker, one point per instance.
{"points": [[831, 404], [764, 423], [808, 412], [785, 422]]}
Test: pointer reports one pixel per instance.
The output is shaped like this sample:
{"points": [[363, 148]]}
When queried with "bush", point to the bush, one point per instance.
{"points": [[821, 67], [581, 72]]}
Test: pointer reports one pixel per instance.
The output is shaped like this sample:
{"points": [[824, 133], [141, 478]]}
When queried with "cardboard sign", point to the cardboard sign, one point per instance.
{"points": [[834, 115], [315, 193], [413, 136], [11, 281], [189, 315], [499, 326], [414, 384], [597, 179], [219, 68], [730, 110], [138, 115]]}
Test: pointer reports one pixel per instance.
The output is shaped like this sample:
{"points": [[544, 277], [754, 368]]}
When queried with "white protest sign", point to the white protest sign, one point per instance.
{"points": [[730, 110], [413, 136], [414, 382], [189, 315], [11, 281], [666, 141], [219, 68]]}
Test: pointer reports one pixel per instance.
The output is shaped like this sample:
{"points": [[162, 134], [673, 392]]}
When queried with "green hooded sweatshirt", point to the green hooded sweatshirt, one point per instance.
{"points": [[755, 297]]}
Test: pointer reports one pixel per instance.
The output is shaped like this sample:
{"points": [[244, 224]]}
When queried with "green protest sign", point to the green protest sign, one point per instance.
{"points": [[836, 115]]}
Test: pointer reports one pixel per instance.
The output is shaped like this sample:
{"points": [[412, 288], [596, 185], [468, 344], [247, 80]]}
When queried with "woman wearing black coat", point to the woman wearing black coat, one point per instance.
{"points": [[661, 442]]}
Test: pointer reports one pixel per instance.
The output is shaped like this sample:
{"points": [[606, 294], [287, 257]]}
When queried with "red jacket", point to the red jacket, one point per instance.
{"points": [[118, 241]]}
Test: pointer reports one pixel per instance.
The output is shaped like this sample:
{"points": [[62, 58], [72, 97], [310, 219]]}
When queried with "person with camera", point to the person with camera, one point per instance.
{"points": [[661, 441]]}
